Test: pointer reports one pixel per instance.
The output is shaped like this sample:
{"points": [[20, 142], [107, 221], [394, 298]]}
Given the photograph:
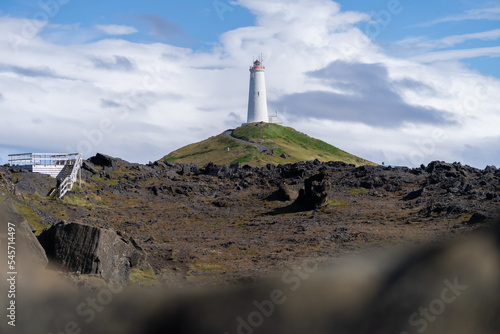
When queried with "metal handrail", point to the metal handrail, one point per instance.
{"points": [[38, 159]]}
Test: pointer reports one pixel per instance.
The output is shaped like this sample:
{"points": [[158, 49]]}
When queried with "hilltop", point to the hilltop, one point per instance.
{"points": [[258, 144]]}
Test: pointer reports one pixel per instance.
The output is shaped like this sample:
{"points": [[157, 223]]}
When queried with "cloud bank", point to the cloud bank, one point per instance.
{"points": [[364, 93]]}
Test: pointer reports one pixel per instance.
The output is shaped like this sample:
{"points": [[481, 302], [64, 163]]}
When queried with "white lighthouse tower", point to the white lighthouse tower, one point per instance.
{"points": [[257, 100]]}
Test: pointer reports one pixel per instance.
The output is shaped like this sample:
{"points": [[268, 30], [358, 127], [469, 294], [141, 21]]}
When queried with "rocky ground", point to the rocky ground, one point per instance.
{"points": [[215, 225]]}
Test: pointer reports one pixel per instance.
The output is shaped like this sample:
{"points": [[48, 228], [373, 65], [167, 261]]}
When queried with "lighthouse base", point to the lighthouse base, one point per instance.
{"points": [[272, 120]]}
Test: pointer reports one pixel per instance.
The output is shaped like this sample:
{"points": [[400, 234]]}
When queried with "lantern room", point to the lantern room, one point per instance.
{"points": [[257, 65]]}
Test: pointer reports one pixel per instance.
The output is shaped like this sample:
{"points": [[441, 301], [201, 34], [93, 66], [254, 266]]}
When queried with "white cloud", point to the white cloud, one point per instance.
{"points": [[448, 41], [458, 39], [141, 101], [114, 29], [457, 54], [492, 14]]}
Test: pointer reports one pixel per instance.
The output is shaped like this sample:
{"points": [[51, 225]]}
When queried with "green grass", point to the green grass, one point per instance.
{"points": [[204, 266], [76, 200], [244, 159], [30, 215], [333, 202], [261, 133], [213, 150], [15, 177], [76, 187], [87, 201], [207, 267], [143, 277], [296, 145], [359, 191]]}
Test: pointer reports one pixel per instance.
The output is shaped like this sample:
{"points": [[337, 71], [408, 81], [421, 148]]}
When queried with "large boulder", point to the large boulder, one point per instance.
{"points": [[107, 162], [91, 250], [314, 195], [439, 171], [88, 169]]}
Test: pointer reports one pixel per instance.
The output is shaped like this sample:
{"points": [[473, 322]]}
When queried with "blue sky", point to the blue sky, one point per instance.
{"points": [[404, 82], [197, 24]]}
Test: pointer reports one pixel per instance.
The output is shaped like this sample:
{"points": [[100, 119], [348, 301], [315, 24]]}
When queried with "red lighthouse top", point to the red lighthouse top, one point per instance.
{"points": [[257, 65]]}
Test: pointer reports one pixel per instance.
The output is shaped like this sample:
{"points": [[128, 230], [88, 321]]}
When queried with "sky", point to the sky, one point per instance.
{"points": [[400, 82]]}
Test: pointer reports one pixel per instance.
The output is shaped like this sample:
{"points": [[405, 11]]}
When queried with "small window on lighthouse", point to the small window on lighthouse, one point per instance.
{"points": [[258, 93]]}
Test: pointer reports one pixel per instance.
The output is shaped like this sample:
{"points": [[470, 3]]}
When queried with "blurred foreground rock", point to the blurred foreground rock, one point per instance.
{"points": [[438, 289]]}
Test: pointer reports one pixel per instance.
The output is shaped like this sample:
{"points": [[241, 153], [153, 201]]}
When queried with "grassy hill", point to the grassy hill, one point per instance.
{"points": [[282, 140]]}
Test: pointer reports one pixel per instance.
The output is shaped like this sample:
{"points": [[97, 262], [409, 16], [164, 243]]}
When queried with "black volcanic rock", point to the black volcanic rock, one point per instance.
{"points": [[211, 169], [92, 250], [284, 193], [89, 167], [107, 162], [30, 183], [314, 194], [414, 194], [440, 171], [480, 218]]}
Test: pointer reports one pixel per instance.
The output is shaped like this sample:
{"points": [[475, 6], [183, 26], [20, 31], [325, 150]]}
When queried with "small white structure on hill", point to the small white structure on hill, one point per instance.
{"points": [[63, 166], [257, 98]]}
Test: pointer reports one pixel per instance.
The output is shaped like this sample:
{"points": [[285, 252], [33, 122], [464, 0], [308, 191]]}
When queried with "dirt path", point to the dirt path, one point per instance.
{"points": [[262, 148]]}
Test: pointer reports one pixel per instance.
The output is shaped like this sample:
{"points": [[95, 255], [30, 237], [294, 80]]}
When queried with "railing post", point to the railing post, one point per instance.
{"points": [[80, 170]]}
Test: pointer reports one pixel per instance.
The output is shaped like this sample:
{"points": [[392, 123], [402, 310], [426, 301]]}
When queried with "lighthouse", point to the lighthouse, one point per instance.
{"points": [[257, 100]]}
